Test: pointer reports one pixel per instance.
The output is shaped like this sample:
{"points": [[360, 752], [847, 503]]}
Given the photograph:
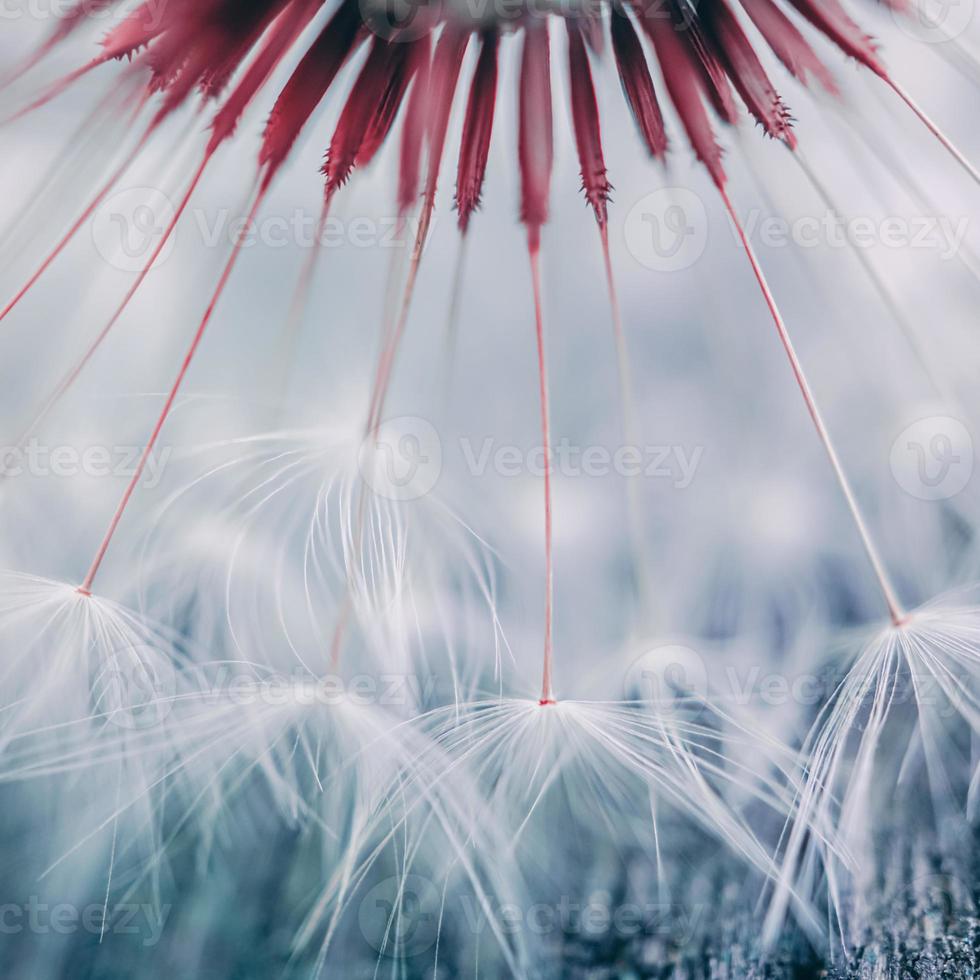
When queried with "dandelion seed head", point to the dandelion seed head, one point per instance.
{"points": [[225, 55], [898, 728], [591, 764], [70, 656]]}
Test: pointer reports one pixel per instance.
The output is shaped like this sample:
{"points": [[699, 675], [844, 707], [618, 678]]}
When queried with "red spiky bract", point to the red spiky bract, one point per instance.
{"points": [[637, 83], [199, 46], [717, 85], [829, 17], [308, 84], [585, 123], [358, 114], [413, 131], [446, 64], [282, 36], [747, 74], [401, 68], [535, 137], [474, 147], [788, 44], [685, 83]]}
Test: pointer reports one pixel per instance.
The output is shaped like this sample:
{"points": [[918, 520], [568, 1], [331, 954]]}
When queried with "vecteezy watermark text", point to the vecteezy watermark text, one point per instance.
{"points": [[150, 14], [668, 230], [137, 224], [403, 459], [276, 690], [676, 463], [402, 916], [65, 919], [37, 459]]}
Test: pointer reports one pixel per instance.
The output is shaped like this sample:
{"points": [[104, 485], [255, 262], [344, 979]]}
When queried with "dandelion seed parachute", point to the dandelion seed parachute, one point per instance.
{"points": [[873, 676], [631, 772], [296, 543], [894, 743], [66, 659], [83, 678], [371, 803]]}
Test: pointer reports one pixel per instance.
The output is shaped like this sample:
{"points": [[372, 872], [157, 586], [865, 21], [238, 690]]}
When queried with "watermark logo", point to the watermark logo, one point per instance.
{"points": [[130, 226], [667, 230], [932, 459], [934, 21], [399, 916], [402, 458], [669, 676], [135, 687], [35, 459]]}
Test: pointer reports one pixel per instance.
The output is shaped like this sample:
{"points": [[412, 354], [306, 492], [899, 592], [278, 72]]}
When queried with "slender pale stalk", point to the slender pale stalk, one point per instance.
{"points": [[72, 375], [77, 225], [880, 286], [455, 304], [627, 399], [862, 127], [534, 256]]}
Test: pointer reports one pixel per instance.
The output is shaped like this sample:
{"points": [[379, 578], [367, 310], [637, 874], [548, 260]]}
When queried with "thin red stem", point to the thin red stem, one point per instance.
{"points": [[933, 128], [534, 254], [895, 610], [86, 587]]}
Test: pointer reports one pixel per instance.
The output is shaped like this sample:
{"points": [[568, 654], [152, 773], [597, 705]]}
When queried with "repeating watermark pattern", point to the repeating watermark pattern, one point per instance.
{"points": [[36, 459], [940, 233], [668, 676], [135, 688], [593, 918], [151, 12], [674, 678], [403, 459], [932, 459], [131, 226], [407, 20], [934, 21], [401, 917], [675, 463], [39, 918], [387, 689], [668, 230]]}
